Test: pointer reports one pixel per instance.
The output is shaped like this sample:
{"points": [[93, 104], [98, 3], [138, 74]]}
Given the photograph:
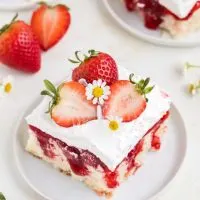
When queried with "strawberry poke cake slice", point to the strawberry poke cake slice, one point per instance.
{"points": [[177, 17], [99, 123]]}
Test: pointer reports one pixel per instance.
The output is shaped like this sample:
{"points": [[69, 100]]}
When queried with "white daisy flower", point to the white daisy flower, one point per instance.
{"points": [[98, 92], [114, 122], [6, 85]]}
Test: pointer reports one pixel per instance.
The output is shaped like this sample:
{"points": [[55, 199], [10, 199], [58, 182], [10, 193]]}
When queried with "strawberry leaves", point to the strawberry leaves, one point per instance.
{"points": [[52, 92], [142, 86], [78, 60], [5, 27], [2, 197]]}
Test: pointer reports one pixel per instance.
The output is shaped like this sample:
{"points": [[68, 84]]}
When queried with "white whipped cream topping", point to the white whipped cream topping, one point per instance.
{"points": [[95, 136], [180, 8]]}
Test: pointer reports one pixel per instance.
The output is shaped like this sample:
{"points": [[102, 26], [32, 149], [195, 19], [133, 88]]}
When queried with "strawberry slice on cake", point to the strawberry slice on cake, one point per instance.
{"points": [[69, 105], [129, 97], [95, 131]]}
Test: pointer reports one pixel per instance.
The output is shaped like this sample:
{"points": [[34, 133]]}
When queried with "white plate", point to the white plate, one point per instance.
{"points": [[16, 5], [158, 170], [132, 23]]}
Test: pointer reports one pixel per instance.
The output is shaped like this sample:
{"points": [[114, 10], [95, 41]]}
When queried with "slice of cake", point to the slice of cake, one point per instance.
{"points": [[98, 132], [176, 17]]}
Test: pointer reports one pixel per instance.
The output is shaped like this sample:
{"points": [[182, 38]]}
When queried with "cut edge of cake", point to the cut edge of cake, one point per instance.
{"points": [[95, 180], [179, 28]]}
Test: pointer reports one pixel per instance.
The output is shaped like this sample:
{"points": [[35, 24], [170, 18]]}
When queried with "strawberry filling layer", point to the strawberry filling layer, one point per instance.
{"points": [[153, 12], [79, 159]]}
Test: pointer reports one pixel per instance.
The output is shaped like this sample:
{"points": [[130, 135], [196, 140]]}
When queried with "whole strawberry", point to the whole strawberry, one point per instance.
{"points": [[19, 48], [96, 65]]}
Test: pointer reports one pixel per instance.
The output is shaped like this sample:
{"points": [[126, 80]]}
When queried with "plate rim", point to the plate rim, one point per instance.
{"points": [[17, 7], [145, 37], [37, 191]]}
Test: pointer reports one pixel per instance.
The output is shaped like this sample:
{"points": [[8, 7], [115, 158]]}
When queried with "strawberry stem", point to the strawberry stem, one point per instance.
{"points": [[189, 65], [6, 26], [52, 92], [91, 53]]}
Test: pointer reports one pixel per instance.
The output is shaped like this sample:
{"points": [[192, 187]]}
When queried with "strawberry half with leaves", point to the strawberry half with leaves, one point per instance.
{"points": [[69, 105], [19, 47], [127, 99], [50, 23], [96, 65]]}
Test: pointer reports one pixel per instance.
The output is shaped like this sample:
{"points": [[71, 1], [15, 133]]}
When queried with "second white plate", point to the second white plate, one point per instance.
{"points": [[16, 5], [132, 23], [158, 170]]}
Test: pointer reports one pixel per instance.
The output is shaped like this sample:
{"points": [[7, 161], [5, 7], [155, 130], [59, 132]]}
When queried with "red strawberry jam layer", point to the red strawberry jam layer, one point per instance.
{"points": [[79, 159], [153, 12]]}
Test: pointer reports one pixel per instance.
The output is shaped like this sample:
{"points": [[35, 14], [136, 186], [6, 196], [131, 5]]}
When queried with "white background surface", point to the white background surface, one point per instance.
{"points": [[92, 27]]}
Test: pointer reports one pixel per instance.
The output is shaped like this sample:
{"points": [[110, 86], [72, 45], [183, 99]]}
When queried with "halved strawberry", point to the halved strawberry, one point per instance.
{"points": [[69, 105], [50, 23], [125, 101]]}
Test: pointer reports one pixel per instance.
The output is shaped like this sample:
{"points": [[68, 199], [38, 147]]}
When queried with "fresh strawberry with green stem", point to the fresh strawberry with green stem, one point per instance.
{"points": [[19, 47], [127, 99], [50, 23], [69, 105], [96, 65]]}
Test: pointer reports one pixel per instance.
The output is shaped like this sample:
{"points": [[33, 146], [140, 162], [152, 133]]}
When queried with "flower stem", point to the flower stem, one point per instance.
{"points": [[188, 65], [99, 112]]}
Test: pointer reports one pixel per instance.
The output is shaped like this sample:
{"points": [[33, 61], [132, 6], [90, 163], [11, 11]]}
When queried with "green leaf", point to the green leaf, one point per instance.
{"points": [[2, 197], [60, 87], [6, 26], [92, 52], [45, 92], [146, 82], [77, 56], [148, 90], [14, 18], [141, 83], [49, 107], [50, 86], [131, 78], [73, 61]]}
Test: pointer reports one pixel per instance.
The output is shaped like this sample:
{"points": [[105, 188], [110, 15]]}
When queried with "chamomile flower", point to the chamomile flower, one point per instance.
{"points": [[194, 88], [97, 91], [114, 122], [6, 85]]}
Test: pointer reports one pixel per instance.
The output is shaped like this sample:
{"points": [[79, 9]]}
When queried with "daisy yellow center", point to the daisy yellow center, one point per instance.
{"points": [[113, 125], [97, 92], [8, 87]]}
